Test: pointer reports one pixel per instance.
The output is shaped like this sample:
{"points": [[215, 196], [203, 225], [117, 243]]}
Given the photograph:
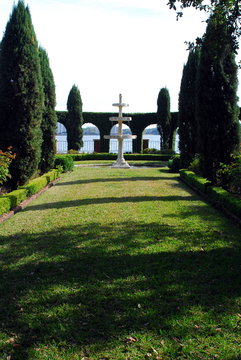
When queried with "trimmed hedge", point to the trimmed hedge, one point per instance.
{"points": [[39, 183], [14, 198], [66, 161], [107, 156], [174, 163], [196, 180], [226, 200], [5, 204], [217, 195], [35, 185]]}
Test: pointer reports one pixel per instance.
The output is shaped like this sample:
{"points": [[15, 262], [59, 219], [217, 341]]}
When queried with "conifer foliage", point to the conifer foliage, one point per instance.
{"points": [[74, 119], [164, 117], [188, 131], [21, 94], [49, 120], [217, 110]]}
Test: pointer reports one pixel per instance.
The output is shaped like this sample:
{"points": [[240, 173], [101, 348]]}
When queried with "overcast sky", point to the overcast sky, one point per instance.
{"points": [[107, 47]]}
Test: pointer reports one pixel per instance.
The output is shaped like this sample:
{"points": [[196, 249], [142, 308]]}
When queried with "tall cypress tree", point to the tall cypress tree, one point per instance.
{"points": [[164, 117], [49, 120], [74, 119], [21, 94], [217, 110], [188, 134]]}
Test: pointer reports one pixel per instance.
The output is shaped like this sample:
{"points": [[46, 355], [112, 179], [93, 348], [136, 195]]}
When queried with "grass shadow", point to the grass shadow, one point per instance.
{"points": [[89, 285], [111, 179], [108, 200]]}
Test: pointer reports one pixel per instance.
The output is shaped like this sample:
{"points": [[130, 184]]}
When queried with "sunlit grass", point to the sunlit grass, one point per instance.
{"points": [[120, 264]]}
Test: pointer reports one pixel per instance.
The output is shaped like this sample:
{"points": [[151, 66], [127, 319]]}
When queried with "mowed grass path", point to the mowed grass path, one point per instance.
{"points": [[120, 264]]}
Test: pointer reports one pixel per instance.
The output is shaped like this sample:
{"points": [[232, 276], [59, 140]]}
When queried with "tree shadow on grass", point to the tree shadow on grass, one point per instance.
{"points": [[111, 179], [109, 200], [88, 285]]}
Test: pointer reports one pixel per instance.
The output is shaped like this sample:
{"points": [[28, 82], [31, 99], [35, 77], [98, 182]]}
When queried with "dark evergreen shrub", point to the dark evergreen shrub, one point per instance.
{"points": [[217, 110], [164, 117], [174, 163], [49, 119], [188, 130], [21, 95], [74, 119]]}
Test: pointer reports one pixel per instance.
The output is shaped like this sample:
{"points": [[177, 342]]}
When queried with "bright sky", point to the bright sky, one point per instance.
{"points": [[107, 47]]}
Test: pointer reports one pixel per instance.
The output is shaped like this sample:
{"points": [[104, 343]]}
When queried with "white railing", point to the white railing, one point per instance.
{"points": [[154, 145], [62, 146], [127, 146]]}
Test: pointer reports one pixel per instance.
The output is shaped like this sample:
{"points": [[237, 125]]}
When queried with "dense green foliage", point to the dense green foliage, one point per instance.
{"points": [[188, 130], [49, 119], [164, 117], [14, 198], [109, 156], [229, 10], [35, 185], [6, 157], [74, 119], [195, 180], [217, 195], [229, 175], [21, 94], [217, 110], [174, 163], [5, 204], [65, 161]]}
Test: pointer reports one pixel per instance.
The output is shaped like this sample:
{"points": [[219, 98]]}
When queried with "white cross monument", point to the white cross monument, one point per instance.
{"points": [[120, 162]]}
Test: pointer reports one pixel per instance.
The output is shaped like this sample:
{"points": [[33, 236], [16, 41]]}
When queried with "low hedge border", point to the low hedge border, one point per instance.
{"points": [[11, 200], [108, 156], [218, 196]]}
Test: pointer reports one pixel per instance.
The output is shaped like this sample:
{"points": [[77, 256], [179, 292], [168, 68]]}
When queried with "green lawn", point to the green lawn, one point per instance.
{"points": [[123, 265]]}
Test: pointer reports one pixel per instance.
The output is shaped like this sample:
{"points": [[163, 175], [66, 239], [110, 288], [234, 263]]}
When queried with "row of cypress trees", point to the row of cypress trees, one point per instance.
{"points": [[27, 98], [27, 101], [208, 103]]}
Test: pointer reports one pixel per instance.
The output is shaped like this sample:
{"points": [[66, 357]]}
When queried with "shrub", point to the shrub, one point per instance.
{"points": [[53, 174], [220, 196], [174, 163], [108, 156], [16, 197], [225, 200], [229, 176], [195, 165], [72, 151], [65, 161], [35, 185], [5, 160], [5, 204], [197, 181], [151, 151]]}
